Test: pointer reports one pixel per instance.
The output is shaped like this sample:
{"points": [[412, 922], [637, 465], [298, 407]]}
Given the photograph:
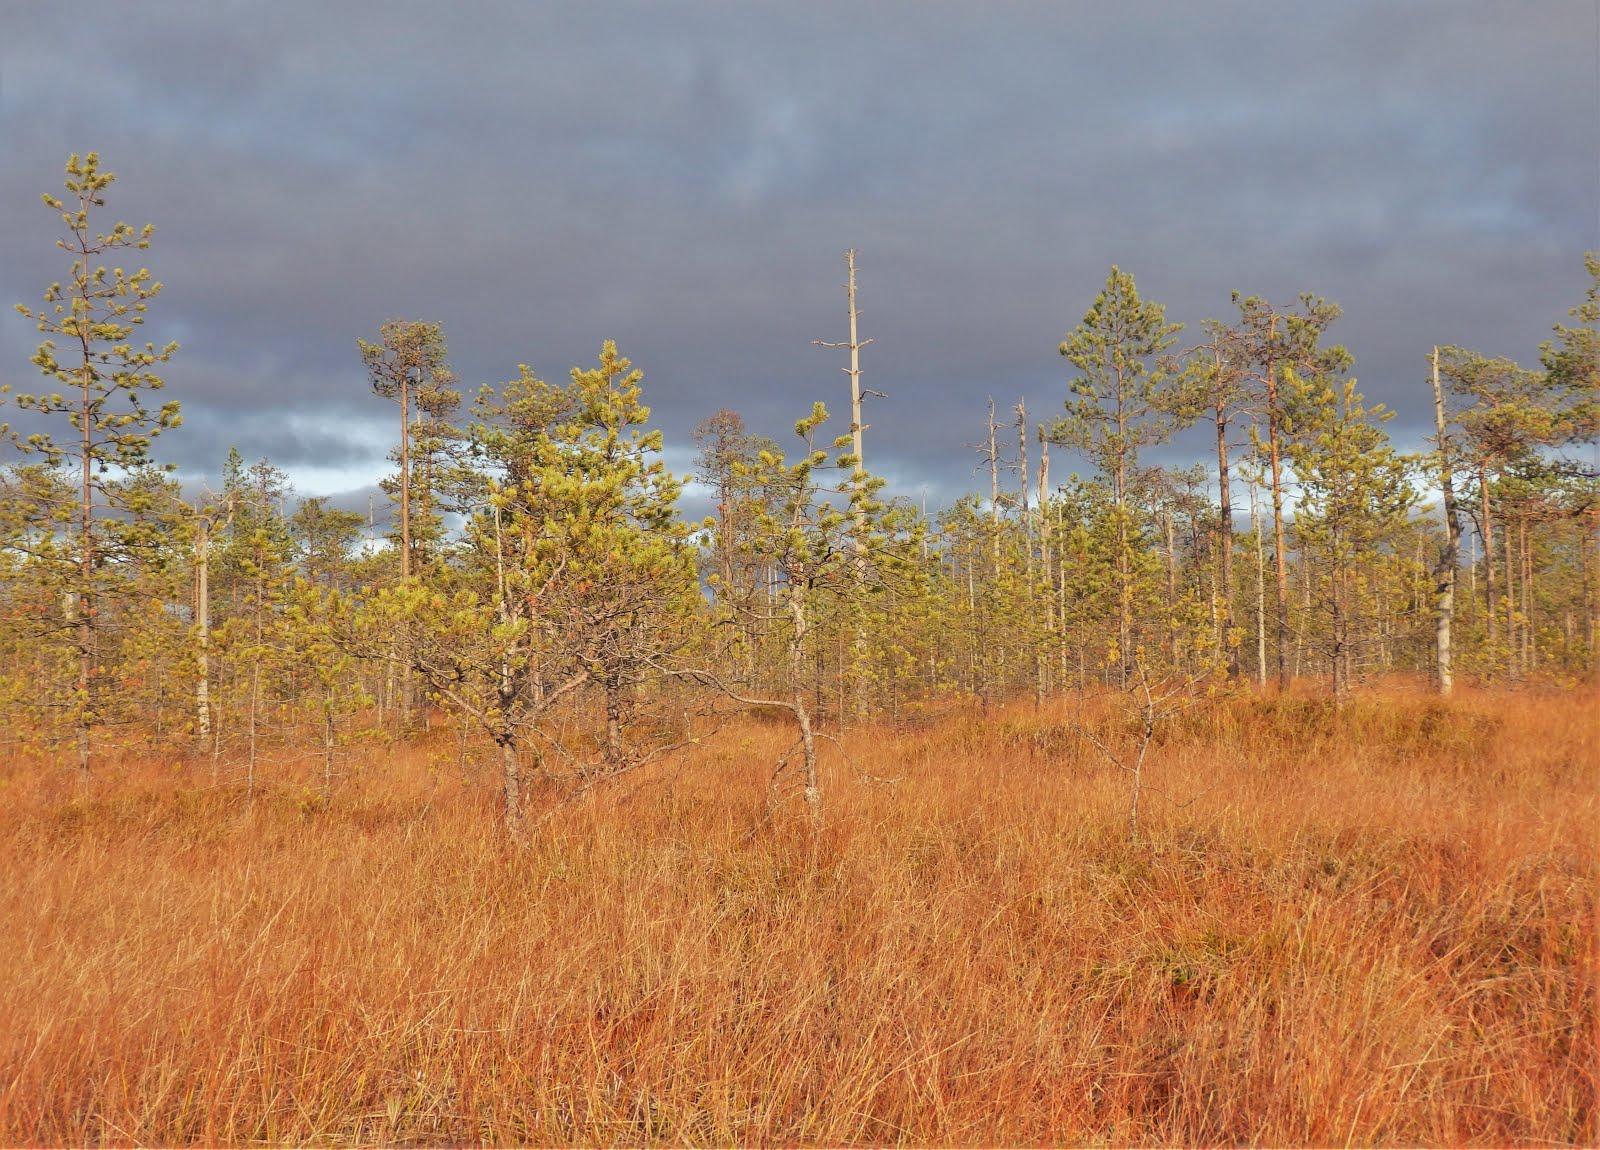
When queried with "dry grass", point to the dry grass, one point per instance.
{"points": [[1374, 926]]}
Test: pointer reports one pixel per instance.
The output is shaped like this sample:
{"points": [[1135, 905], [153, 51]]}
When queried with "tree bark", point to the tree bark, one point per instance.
{"points": [[1486, 523], [202, 619], [1225, 538], [802, 716], [1280, 551], [511, 781], [1449, 558], [1511, 602]]}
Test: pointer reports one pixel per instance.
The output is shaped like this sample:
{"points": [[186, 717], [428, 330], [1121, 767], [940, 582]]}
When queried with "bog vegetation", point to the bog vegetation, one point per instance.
{"points": [[1369, 925], [1115, 809]]}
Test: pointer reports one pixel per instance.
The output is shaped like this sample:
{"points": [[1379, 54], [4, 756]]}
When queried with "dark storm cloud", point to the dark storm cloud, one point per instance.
{"points": [[684, 178]]}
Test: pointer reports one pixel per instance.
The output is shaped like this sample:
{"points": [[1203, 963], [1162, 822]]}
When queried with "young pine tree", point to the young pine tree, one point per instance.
{"points": [[97, 419], [1125, 399]]}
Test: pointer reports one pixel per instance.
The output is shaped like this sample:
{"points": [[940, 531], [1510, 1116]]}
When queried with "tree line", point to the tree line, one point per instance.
{"points": [[539, 587]]}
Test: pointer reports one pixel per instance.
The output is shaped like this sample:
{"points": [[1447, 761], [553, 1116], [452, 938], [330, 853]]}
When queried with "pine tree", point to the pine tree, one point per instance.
{"points": [[252, 645], [574, 573], [325, 539], [105, 380], [408, 361], [625, 544], [830, 544], [1125, 400], [1276, 341], [1354, 492]]}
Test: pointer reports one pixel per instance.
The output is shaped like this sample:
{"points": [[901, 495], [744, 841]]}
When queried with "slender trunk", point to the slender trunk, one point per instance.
{"points": [[202, 620], [1511, 602], [1530, 649], [1061, 592], [1028, 631], [852, 684], [1340, 632], [405, 474], [1587, 562], [1169, 534], [1280, 551], [1261, 590], [979, 654], [84, 712], [1147, 731], [1445, 572], [216, 750], [1022, 488], [407, 703], [255, 707], [328, 743], [510, 693], [1305, 615], [808, 746], [994, 492], [1046, 559], [1471, 601], [725, 593], [1224, 593], [255, 681], [1124, 566], [1486, 523]]}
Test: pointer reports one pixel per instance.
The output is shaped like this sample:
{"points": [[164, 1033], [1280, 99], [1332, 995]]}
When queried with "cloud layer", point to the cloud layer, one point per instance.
{"points": [[685, 178]]}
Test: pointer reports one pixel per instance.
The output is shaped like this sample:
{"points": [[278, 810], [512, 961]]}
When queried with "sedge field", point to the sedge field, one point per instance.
{"points": [[1373, 924]]}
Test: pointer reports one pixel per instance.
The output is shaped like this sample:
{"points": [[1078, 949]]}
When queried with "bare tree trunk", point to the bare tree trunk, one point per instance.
{"points": [[1061, 594], [994, 489], [1224, 506], [1170, 537], [802, 716], [1471, 601], [202, 620], [1280, 550], [1530, 649], [1224, 593], [1449, 558], [1486, 523], [1261, 591], [1022, 488], [1511, 603], [1047, 560], [1591, 601], [1029, 631]]}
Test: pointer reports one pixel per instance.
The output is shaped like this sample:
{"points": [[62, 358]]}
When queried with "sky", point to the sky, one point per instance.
{"points": [[684, 178]]}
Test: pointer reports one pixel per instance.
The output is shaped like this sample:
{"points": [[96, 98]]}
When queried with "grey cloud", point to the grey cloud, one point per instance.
{"points": [[685, 178]]}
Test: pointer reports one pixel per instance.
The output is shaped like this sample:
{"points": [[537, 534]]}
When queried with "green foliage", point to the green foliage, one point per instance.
{"points": [[97, 417], [1355, 495], [1123, 399], [409, 364], [1127, 397], [550, 598], [1572, 360], [95, 314]]}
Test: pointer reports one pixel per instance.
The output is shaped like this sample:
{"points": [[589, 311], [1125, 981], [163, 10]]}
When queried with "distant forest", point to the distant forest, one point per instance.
{"points": [[540, 588]]}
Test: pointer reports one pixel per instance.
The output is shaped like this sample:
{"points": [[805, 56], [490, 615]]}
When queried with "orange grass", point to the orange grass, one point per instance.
{"points": [[1374, 925]]}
